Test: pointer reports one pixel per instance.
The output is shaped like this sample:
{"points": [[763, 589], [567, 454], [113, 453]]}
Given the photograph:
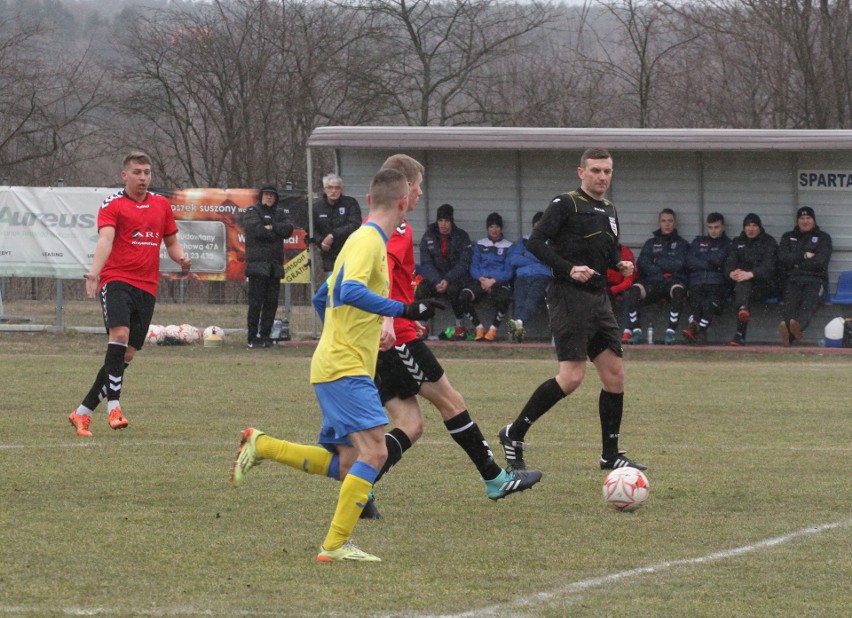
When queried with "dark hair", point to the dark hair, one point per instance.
{"points": [[715, 217], [594, 153], [667, 211], [494, 219]]}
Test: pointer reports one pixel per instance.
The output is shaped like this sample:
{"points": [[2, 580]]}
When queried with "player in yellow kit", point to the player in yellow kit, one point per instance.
{"points": [[343, 367]]}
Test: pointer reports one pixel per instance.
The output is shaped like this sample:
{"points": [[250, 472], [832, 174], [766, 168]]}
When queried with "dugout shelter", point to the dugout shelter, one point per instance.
{"points": [[517, 171]]}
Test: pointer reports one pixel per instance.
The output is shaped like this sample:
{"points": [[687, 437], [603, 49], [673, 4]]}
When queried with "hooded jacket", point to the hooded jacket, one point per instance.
{"points": [[264, 247], [524, 263], [433, 265], [792, 263], [756, 255]]}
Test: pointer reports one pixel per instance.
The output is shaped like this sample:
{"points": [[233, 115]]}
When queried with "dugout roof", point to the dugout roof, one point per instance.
{"points": [[522, 138]]}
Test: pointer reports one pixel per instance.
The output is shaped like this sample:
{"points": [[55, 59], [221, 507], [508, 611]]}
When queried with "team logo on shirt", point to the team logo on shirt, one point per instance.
{"points": [[145, 236], [613, 224], [342, 210]]}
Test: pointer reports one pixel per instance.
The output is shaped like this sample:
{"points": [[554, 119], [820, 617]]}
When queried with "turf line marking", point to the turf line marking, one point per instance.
{"points": [[567, 594], [576, 589]]}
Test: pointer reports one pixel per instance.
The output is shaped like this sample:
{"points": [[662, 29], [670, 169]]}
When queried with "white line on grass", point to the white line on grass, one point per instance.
{"points": [[567, 594], [574, 591]]}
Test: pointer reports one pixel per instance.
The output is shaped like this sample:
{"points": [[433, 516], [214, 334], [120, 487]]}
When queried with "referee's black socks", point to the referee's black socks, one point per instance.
{"points": [[610, 408], [547, 395]]}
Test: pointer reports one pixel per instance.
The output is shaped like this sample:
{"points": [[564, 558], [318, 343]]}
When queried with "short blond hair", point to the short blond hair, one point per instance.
{"points": [[409, 166], [387, 187], [137, 156]]}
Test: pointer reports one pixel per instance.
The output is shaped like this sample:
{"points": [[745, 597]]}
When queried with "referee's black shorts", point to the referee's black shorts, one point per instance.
{"points": [[401, 370], [582, 322], [127, 305]]}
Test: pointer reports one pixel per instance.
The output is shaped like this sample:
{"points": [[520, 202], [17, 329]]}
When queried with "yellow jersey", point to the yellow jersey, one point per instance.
{"points": [[349, 344]]}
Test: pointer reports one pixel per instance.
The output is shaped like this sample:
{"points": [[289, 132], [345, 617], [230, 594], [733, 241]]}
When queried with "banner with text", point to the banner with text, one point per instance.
{"points": [[52, 232]]}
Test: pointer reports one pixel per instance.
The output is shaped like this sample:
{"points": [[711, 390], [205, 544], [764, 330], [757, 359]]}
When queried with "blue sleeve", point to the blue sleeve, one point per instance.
{"points": [[475, 270], [320, 300], [359, 295]]}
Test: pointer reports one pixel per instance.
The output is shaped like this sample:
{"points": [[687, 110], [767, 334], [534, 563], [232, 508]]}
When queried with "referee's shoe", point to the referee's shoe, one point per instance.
{"points": [[620, 461]]}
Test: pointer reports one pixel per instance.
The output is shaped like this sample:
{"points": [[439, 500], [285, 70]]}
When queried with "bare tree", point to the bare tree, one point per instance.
{"points": [[797, 55], [426, 54], [48, 104]]}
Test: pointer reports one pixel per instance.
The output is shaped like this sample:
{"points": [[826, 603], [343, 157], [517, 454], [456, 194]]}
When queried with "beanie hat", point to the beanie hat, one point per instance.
{"points": [[537, 216], [494, 219], [752, 218], [268, 188], [445, 211], [806, 211]]}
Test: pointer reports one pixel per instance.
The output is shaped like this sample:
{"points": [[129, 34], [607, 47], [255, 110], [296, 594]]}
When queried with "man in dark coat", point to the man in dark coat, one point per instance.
{"points": [[803, 257], [708, 283], [266, 227], [445, 256], [750, 265], [335, 216]]}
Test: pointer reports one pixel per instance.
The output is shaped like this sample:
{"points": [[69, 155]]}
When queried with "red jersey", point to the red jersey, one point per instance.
{"points": [[140, 227], [401, 270]]}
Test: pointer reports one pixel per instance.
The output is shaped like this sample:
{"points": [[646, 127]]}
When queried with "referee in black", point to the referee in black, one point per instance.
{"points": [[578, 239]]}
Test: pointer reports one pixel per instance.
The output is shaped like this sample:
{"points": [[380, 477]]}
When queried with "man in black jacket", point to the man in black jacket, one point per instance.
{"points": [[803, 256], [335, 216], [750, 265], [445, 255], [266, 227]]}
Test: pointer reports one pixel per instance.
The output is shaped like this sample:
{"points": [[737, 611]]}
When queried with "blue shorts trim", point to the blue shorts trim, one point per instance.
{"points": [[348, 405]]}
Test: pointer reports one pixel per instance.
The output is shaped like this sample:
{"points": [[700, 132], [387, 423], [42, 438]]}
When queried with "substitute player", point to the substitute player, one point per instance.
{"points": [[578, 238], [124, 274], [342, 370]]}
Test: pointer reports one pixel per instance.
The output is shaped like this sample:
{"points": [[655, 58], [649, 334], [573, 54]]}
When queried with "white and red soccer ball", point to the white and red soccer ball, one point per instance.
{"points": [[156, 333], [187, 333], [213, 330], [171, 333], [626, 489]]}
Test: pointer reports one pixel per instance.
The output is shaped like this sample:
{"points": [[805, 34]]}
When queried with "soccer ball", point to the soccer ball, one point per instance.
{"points": [[171, 335], [213, 330], [626, 489], [189, 334], [155, 334]]}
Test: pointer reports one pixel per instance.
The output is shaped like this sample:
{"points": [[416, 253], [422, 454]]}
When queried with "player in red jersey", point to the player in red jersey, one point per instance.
{"points": [[125, 272], [407, 367]]}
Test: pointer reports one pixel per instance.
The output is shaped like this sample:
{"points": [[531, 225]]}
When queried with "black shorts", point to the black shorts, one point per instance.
{"points": [[127, 305], [401, 370], [582, 322]]}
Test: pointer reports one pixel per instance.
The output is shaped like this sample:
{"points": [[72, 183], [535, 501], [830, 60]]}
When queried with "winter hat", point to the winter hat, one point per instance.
{"points": [[752, 218], [494, 219], [268, 188], [445, 211], [806, 211], [537, 216]]}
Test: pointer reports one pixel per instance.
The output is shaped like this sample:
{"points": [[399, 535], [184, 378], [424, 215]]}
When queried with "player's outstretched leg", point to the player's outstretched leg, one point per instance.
{"points": [[511, 481], [246, 455]]}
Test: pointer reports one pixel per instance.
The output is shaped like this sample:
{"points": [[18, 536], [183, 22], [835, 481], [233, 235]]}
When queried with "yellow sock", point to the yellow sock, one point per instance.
{"points": [[307, 458], [354, 492]]}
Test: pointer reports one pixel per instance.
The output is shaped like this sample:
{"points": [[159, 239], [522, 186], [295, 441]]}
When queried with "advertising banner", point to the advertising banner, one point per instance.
{"points": [[52, 231]]}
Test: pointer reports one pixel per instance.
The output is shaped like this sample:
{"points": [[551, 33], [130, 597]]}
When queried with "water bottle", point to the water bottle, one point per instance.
{"points": [[650, 334]]}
